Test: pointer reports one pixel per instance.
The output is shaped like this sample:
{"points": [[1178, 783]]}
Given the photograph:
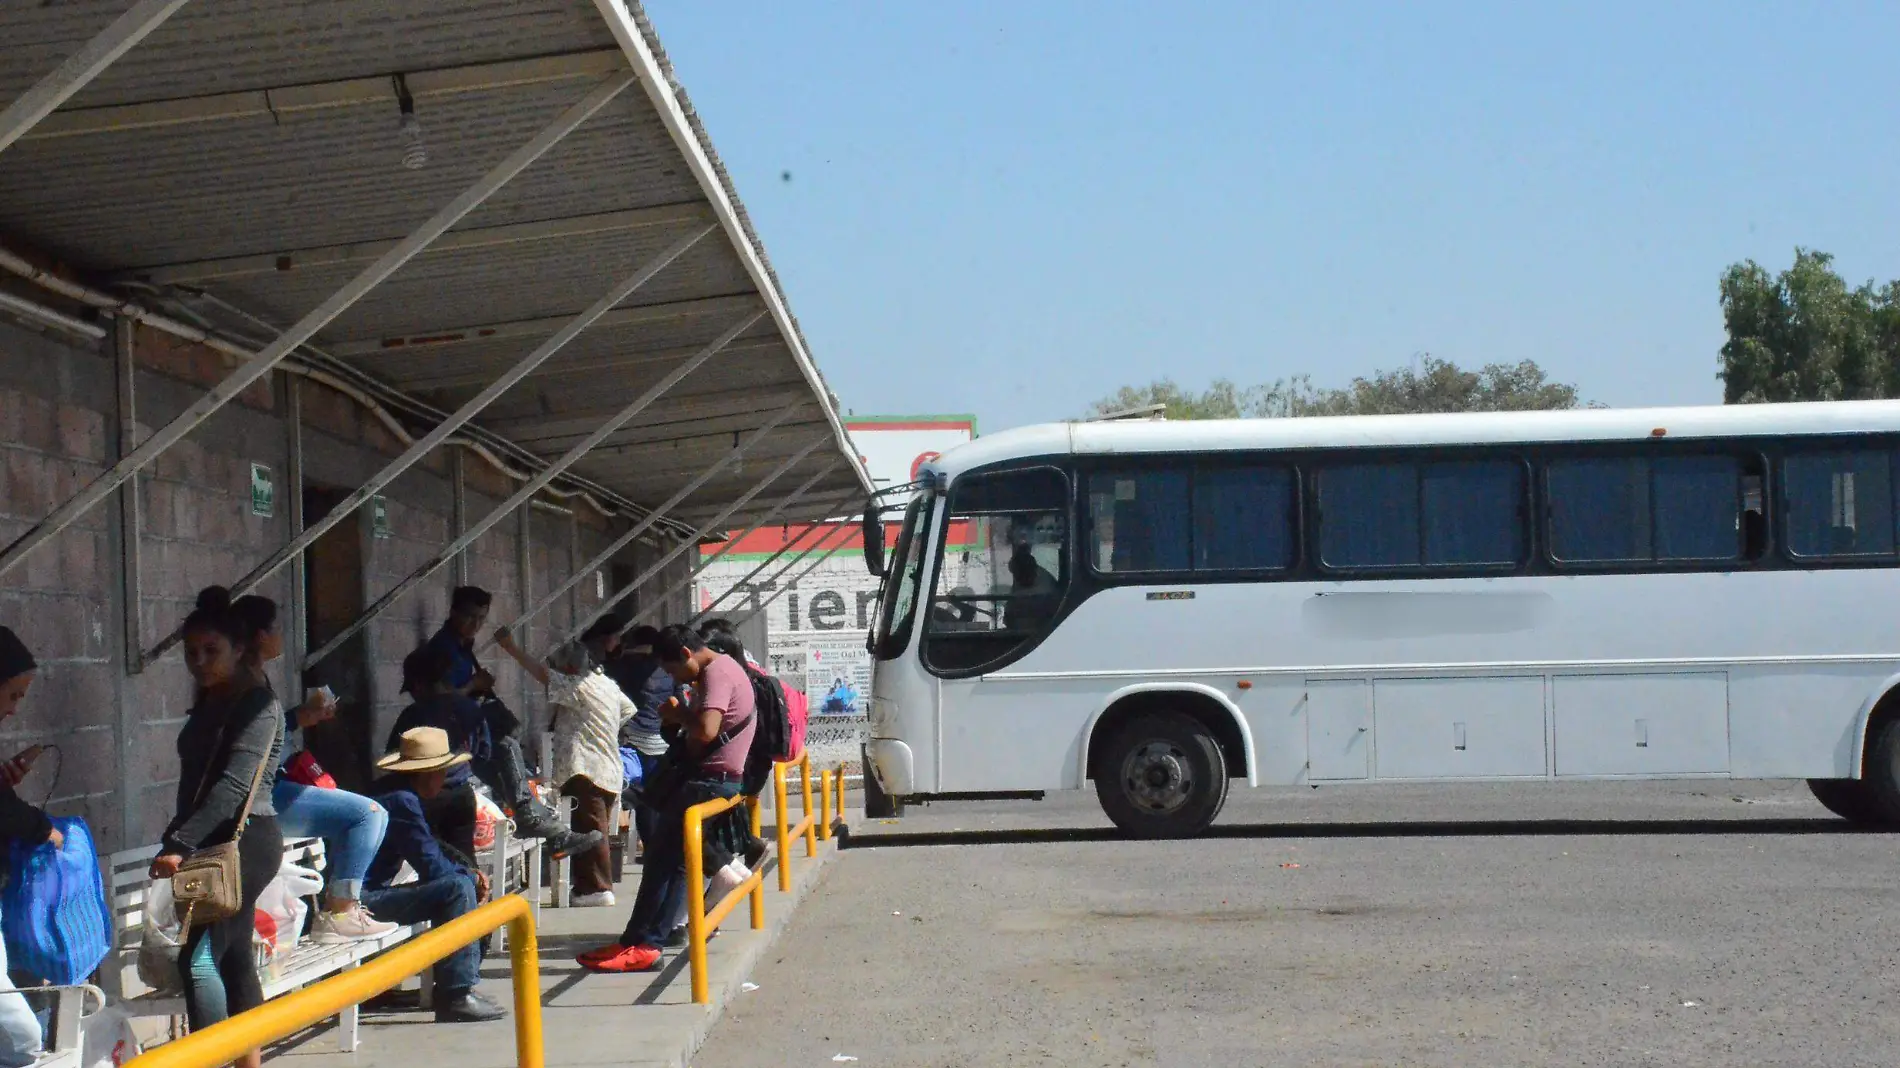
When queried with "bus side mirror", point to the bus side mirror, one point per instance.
{"points": [[873, 531]]}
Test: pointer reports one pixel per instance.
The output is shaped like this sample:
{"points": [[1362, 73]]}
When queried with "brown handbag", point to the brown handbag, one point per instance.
{"points": [[208, 887]]}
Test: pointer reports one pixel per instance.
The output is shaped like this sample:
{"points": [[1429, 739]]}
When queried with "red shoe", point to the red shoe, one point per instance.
{"points": [[632, 959], [600, 953]]}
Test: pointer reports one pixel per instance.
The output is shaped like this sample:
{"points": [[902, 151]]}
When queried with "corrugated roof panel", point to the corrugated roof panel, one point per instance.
{"points": [[219, 46]]}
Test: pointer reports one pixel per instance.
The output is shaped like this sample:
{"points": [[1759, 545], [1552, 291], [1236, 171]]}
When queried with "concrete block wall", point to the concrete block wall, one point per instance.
{"points": [[115, 729]]}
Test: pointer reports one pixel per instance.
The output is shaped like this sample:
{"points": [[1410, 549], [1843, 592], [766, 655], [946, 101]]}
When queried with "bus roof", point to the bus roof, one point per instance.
{"points": [[1376, 431]]}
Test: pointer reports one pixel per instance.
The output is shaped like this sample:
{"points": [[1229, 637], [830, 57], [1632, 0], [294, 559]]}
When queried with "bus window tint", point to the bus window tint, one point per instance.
{"points": [[1138, 521], [1473, 512], [1599, 510], [1369, 516], [1698, 507], [1243, 519], [1001, 589], [1839, 504]]}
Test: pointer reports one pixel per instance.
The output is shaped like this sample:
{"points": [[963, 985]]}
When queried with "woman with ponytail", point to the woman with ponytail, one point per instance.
{"points": [[350, 825], [231, 738]]}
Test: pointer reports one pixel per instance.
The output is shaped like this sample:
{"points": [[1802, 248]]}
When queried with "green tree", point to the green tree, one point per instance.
{"points": [[1434, 385], [1804, 335]]}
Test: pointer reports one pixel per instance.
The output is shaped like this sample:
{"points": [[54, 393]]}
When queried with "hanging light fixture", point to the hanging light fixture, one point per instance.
{"points": [[409, 129]]}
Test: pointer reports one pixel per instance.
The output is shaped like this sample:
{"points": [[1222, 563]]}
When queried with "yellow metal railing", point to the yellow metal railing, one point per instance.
{"points": [[826, 779], [807, 827], [701, 922], [282, 1017]]}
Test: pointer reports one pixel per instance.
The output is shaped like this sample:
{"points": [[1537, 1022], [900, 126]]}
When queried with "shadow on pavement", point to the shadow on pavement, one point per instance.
{"points": [[1407, 829]]}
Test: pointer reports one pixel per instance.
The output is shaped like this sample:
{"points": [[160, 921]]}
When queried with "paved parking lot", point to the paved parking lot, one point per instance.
{"points": [[1692, 923]]}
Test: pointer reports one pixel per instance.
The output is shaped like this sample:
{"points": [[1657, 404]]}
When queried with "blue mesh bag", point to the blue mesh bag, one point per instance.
{"points": [[53, 911]]}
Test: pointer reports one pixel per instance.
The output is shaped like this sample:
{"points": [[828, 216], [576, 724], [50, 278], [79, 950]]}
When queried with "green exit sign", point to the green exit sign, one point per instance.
{"points": [[378, 517], [263, 492]]}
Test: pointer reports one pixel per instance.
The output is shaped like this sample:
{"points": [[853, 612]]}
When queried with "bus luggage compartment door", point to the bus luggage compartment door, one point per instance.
{"points": [[1338, 729]]}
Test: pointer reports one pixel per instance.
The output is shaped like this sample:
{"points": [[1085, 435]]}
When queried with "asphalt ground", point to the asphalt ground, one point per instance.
{"points": [[1679, 923]]}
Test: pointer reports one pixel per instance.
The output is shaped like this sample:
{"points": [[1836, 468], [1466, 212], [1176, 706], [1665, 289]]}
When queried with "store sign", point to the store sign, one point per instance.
{"points": [[263, 492]]}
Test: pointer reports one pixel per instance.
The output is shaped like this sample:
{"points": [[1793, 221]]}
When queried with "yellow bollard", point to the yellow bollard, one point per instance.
{"points": [[809, 822], [784, 830], [824, 809], [700, 921]]}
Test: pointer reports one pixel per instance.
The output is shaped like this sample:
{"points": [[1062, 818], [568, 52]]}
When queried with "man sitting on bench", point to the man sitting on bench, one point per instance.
{"points": [[445, 886]]}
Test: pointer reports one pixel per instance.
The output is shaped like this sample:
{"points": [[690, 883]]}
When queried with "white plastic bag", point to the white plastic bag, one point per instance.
{"points": [[160, 939], [281, 909], [106, 1039]]}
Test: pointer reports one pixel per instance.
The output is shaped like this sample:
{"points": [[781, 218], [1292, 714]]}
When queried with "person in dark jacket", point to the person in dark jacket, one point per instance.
{"points": [[447, 885], [20, 1037], [645, 681], [229, 744]]}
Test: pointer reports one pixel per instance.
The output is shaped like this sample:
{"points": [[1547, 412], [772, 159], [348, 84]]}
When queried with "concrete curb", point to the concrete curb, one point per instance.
{"points": [[727, 974]]}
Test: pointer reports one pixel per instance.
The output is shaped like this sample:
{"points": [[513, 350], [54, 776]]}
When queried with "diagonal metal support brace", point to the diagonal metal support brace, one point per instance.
{"points": [[819, 551], [535, 485], [269, 356], [733, 542], [691, 541], [435, 437], [82, 67], [626, 539], [768, 562]]}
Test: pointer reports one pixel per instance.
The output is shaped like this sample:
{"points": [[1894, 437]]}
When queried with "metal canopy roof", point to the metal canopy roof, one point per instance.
{"points": [[243, 162]]}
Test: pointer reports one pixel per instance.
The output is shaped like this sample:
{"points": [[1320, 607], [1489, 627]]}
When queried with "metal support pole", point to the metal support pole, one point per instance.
{"points": [[728, 547], [428, 442], [691, 540], [299, 628], [267, 357], [82, 67], [534, 485], [641, 527], [123, 333], [524, 562], [458, 477], [769, 561], [822, 554], [783, 503]]}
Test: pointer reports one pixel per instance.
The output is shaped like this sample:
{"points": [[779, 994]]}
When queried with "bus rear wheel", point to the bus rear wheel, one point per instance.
{"points": [[1162, 776], [1847, 798]]}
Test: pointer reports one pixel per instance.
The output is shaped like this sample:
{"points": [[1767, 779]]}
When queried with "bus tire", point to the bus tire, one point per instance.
{"points": [[1847, 798], [878, 805], [1880, 776], [1162, 776]]}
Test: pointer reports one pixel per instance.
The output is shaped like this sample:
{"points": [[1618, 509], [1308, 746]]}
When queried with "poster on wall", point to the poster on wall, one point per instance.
{"points": [[837, 678]]}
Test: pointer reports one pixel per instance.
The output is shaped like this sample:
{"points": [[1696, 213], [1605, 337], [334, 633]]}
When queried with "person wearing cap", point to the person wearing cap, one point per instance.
{"points": [[20, 1037], [588, 711], [446, 885]]}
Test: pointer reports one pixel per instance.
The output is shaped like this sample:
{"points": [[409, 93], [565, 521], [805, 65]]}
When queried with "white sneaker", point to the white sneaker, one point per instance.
{"points": [[604, 899], [725, 881], [353, 925]]}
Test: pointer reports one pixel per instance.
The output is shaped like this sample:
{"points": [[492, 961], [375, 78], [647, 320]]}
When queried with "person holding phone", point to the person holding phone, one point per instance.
{"points": [[20, 1037], [351, 825]]}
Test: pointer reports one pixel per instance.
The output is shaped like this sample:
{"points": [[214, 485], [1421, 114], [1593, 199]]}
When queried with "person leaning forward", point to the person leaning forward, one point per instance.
{"points": [[446, 886]]}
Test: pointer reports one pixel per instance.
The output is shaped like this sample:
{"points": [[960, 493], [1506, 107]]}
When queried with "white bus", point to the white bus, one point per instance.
{"points": [[1166, 608]]}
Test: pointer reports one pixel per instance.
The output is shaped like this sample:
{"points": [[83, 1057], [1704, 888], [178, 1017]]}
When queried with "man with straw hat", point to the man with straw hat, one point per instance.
{"points": [[447, 885]]}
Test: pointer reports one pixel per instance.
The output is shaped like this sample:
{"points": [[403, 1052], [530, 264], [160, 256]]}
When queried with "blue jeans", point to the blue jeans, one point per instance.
{"points": [[437, 901], [643, 814], [350, 825], [663, 871], [20, 1037]]}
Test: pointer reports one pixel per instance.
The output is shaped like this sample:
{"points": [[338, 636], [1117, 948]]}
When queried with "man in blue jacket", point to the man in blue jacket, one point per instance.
{"points": [[446, 885]]}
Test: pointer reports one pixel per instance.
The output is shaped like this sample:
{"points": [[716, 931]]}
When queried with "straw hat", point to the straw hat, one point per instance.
{"points": [[422, 749]]}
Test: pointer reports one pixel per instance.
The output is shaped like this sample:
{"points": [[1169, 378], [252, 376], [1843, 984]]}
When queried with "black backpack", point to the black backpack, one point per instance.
{"points": [[772, 741]]}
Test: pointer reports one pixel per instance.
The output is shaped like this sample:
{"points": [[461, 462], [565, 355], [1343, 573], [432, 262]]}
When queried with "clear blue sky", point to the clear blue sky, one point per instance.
{"points": [[1014, 208]]}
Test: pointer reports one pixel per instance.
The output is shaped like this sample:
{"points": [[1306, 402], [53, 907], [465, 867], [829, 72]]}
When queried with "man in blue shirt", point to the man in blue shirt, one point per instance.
{"points": [[446, 886], [496, 745]]}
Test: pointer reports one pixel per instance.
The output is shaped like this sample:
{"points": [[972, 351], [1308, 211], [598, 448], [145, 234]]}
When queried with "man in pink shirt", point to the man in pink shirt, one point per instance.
{"points": [[716, 734]]}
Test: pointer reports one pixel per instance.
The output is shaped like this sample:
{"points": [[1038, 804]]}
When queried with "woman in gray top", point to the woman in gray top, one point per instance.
{"points": [[234, 731]]}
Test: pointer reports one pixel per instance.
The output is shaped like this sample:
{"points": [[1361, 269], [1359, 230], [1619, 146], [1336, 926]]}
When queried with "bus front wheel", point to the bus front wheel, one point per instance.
{"points": [[1847, 798], [1162, 776]]}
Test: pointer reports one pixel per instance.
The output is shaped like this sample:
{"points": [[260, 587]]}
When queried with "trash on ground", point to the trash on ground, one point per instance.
{"points": [[748, 987], [842, 1057], [1289, 865], [1690, 1004]]}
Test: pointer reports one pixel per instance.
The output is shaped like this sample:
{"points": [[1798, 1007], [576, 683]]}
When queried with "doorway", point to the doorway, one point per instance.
{"points": [[334, 596]]}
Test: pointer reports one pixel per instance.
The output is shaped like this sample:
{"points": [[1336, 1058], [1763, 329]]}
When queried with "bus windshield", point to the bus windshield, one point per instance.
{"points": [[901, 582]]}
